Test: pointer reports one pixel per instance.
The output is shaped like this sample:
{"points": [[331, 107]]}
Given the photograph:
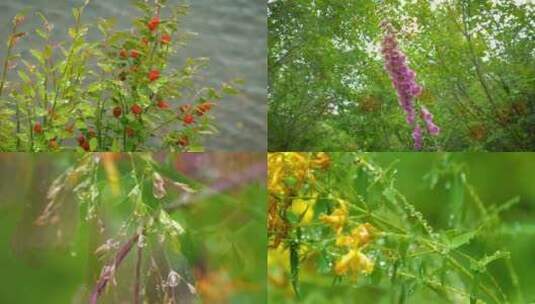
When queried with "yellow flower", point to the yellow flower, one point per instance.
{"points": [[359, 237], [284, 166], [362, 234], [342, 266], [275, 173], [337, 218], [354, 262], [279, 257], [322, 161], [304, 208], [343, 240]]}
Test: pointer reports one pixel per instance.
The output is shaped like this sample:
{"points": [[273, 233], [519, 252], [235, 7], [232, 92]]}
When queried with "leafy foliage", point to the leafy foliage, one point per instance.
{"points": [[115, 94], [342, 220], [329, 91]]}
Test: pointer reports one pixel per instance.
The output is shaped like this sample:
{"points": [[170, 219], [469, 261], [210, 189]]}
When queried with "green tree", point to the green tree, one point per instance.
{"points": [[328, 89]]}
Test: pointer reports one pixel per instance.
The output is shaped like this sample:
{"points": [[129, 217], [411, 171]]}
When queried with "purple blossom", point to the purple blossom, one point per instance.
{"points": [[403, 78], [404, 82], [433, 129]]}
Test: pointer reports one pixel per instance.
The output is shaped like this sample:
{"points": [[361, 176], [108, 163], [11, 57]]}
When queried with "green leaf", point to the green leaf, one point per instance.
{"points": [[23, 76], [94, 87], [105, 67], [461, 239], [196, 148], [38, 55], [115, 147], [457, 200], [41, 33], [93, 143], [481, 265], [228, 89], [80, 124], [72, 32]]}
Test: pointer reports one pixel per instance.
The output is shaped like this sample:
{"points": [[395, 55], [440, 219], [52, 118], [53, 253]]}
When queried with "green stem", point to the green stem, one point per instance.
{"points": [[6, 60]]}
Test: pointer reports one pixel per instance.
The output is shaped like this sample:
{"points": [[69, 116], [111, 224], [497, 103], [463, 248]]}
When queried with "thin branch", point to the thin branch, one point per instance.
{"points": [[252, 173], [137, 282], [108, 272]]}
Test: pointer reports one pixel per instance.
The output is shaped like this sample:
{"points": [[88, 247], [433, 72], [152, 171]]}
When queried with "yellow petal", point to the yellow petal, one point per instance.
{"points": [[342, 265]]}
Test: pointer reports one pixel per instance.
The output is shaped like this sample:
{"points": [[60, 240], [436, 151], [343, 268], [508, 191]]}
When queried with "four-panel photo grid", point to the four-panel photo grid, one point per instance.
{"points": [[267, 151]]}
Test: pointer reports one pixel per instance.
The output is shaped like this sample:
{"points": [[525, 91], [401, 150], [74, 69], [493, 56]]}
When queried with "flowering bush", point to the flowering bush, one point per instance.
{"points": [[118, 93], [339, 220]]}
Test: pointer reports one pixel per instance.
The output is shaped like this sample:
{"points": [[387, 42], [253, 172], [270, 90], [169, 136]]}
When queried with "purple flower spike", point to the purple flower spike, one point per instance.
{"points": [[404, 82], [433, 129], [403, 78]]}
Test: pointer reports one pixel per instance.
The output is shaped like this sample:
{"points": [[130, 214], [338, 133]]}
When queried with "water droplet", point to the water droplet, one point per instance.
{"points": [[173, 279], [141, 241]]}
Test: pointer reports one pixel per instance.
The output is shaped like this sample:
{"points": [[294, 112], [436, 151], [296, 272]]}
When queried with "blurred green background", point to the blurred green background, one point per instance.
{"points": [[222, 251]]}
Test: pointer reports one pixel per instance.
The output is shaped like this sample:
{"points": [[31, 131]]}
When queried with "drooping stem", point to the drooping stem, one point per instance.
{"points": [[109, 271], [255, 172], [137, 283], [11, 43]]}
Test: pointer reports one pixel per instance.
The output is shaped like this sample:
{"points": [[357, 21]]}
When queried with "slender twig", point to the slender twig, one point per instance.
{"points": [[137, 282], [108, 272], [11, 43], [252, 173]]}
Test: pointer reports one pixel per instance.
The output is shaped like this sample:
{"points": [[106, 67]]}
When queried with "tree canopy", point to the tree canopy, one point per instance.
{"points": [[328, 88]]}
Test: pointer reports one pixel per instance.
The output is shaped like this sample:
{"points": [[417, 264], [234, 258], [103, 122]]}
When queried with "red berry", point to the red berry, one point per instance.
{"points": [[162, 104], [53, 144], [123, 54], [183, 141], [188, 119], [37, 128], [153, 23], [81, 139], [166, 39], [117, 111], [136, 109], [135, 53], [85, 146], [130, 132], [154, 75], [83, 142]]}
